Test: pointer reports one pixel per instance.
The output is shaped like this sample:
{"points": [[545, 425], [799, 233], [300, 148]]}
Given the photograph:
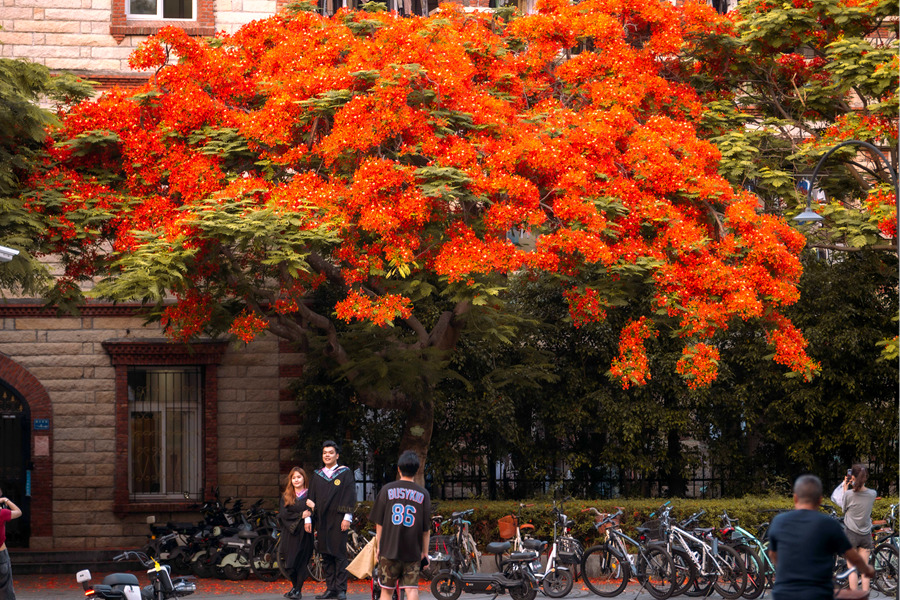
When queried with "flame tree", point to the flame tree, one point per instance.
{"points": [[349, 184]]}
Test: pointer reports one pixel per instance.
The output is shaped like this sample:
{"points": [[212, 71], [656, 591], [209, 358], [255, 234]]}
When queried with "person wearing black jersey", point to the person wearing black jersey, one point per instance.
{"points": [[402, 517]]}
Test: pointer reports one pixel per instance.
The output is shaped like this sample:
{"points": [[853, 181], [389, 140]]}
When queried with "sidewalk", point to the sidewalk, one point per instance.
{"points": [[64, 587]]}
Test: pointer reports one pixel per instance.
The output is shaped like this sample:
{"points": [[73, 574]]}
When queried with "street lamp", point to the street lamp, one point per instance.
{"points": [[7, 254], [811, 216]]}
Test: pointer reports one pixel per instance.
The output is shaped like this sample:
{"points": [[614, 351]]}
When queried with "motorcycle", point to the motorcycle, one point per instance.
{"points": [[125, 586], [517, 577]]}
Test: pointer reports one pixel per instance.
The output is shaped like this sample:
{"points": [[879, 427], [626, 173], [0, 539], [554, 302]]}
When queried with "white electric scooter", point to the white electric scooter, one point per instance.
{"points": [[125, 586]]}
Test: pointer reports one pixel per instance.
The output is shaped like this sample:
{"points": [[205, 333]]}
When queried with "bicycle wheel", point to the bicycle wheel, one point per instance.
{"points": [[316, 568], [756, 574], [263, 558], [656, 572], [605, 571], [884, 561], [280, 560], [700, 587], [685, 571], [557, 583], [731, 577]]}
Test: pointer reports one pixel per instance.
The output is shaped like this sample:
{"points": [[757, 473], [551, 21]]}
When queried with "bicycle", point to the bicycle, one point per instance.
{"points": [[464, 555], [356, 541], [884, 555], [607, 567], [556, 581], [511, 531], [708, 562], [760, 570]]}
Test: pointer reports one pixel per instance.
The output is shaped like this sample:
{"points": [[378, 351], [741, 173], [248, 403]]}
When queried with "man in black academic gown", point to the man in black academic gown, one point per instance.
{"points": [[333, 495]]}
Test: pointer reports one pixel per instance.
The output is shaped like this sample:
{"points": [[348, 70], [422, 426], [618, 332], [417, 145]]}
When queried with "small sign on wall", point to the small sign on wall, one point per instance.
{"points": [[42, 445], [42, 424]]}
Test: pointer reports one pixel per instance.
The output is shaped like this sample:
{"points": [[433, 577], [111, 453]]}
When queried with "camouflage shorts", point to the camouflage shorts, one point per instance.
{"points": [[393, 571]]}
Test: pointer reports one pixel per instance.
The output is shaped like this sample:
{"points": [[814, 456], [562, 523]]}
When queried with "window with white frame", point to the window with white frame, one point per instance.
{"points": [[162, 9], [165, 455]]}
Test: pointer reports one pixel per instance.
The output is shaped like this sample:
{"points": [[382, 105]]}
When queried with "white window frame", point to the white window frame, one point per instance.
{"points": [[192, 408], [159, 13]]}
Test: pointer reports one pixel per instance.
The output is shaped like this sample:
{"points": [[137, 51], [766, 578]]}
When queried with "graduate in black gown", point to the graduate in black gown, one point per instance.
{"points": [[332, 491], [296, 544]]}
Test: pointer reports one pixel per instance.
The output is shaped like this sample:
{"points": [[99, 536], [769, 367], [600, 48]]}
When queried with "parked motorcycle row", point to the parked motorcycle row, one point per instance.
{"points": [[231, 542]]}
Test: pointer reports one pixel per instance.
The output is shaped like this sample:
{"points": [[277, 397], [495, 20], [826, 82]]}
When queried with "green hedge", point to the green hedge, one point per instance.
{"points": [[751, 512]]}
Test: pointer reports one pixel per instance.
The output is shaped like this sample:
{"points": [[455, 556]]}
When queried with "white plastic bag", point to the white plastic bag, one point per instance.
{"points": [[837, 496]]}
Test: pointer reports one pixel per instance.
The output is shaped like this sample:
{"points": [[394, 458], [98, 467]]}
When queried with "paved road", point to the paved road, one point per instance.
{"points": [[64, 587], [53, 587]]}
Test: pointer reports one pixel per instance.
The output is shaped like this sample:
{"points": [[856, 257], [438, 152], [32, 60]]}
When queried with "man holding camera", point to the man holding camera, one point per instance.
{"points": [[8, 512]]}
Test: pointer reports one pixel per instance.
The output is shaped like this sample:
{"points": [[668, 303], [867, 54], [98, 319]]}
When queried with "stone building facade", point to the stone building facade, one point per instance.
{"points": [[94, 38], [66, 392]]}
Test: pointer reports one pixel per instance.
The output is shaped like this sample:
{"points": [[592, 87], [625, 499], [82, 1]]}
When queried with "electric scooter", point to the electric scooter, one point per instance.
{"points": [[516, 577], [125, 586]]}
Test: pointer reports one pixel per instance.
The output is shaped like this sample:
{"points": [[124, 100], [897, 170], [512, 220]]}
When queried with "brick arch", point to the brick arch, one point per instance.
{"points": [[18, 377]]}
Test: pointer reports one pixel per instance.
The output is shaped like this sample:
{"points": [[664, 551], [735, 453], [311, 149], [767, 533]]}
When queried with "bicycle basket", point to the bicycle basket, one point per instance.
{"points": [[655, 529], [569, 551], [599, 518], [507, 527]]}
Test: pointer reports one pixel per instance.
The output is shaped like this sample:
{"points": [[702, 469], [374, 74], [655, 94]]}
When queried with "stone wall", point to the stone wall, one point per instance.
{"points": [[75, 35], [65, 355]]}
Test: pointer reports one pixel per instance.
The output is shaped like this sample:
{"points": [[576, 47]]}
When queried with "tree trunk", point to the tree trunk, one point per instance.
{"points": [[417, 432], [675, 461]]}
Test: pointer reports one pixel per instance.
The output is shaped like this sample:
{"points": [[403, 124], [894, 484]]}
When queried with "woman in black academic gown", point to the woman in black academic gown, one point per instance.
{"points": [[297, 545]]}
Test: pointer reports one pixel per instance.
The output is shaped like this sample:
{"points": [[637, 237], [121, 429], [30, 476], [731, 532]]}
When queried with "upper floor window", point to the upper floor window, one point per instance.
{"points": [[161, 9]]}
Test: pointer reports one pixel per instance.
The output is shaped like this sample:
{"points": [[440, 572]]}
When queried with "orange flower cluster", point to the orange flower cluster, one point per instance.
{"points": [[585, 307], [631, 366], [882, 205], [381, 311], [393, 148], [247, 326], [187, 318], [790, 348], [698, 365]]}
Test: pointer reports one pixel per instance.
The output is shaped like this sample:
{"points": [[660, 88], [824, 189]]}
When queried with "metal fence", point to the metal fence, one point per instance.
{"points": [[707, 481]]}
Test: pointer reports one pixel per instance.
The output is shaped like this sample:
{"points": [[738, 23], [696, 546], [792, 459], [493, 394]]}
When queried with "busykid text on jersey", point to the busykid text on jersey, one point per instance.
{"points": [[400, 493]]}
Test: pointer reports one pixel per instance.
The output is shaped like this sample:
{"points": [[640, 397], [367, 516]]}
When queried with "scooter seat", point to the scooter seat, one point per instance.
{"points": [[497, 547], [105, 591], [120, 579], [537, 545], [523, 555]]}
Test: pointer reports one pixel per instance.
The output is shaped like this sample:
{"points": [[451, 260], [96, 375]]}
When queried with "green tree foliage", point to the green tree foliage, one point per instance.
{"points": [[545, 404], [849, 412], [786, 81], [23, 122]]}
